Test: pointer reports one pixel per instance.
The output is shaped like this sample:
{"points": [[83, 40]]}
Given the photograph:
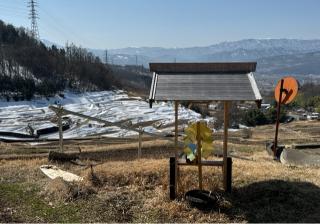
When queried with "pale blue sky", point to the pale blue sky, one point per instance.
{"points": [[166, 23]]}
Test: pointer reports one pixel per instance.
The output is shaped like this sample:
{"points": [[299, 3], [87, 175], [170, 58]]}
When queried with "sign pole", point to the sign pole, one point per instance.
{"points": [[278, 120]]}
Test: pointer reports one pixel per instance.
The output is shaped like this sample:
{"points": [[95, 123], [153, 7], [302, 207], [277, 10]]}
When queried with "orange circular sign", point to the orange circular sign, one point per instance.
{"points": [[289, 90]]}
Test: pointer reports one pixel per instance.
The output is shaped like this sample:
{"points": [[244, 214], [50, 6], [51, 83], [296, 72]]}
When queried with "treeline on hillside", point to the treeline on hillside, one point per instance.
{"points": [[308, 98], [28, 67], [135, 79], [251, 116], [255, 116]]}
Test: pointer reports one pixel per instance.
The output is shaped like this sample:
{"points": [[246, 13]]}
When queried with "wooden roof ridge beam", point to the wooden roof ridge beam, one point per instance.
{"points": [[200, 67]]}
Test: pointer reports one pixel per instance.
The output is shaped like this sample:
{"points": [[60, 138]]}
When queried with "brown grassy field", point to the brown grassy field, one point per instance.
{"points": [[126, 189]]}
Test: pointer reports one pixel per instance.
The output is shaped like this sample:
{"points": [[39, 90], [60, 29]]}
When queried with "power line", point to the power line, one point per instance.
{"points": [[12, 8], [33, 15], [60, 26], [9, 14], [13, 4]]}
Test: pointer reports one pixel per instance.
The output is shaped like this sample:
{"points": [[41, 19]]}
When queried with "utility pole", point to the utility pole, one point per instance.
{"points": [[33, 15], [106, 55], [136, 63]]}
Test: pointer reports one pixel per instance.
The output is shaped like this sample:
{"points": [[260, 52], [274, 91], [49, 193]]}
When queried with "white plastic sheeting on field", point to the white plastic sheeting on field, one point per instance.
{"points": [[112, 106]]}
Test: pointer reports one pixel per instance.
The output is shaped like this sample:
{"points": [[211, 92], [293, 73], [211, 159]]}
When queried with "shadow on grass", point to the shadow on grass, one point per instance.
{"points": [[276, 201], [128, 154]]}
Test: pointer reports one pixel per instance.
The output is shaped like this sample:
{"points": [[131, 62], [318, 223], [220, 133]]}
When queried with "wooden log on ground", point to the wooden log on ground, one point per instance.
{"points": [[61, 157], [306, 146]]}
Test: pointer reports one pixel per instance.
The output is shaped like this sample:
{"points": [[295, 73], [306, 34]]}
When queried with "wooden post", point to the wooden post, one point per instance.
{"points": [[199, 155], [60, 128], [172, 178], [275, 145], [176, 107], [229, 175], [225, 145], [140, 142]]}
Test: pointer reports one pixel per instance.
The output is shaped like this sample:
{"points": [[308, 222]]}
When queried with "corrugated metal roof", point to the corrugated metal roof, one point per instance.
{"points": [[199, 86]]}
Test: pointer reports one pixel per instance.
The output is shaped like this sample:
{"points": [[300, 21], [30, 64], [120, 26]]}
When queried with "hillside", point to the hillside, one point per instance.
{"points": [[28, 67], [302, 63]]}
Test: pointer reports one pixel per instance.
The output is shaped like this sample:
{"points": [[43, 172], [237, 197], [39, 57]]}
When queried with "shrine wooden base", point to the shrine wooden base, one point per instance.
{"points": [[174, 173]]}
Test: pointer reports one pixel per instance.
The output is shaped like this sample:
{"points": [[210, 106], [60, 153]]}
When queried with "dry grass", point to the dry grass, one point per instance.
{"points": [[304, 130], [126, 189]]}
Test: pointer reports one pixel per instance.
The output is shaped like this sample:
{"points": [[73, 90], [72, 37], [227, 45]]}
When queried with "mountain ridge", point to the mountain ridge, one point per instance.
{"points": [[264, 51]]}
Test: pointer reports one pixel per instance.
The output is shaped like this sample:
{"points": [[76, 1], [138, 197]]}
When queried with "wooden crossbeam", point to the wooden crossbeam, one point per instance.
{"points": [[116, 124]]}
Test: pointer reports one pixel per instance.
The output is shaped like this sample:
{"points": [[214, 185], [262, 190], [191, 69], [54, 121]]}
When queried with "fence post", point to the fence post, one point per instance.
{"points": [[140, 141], [60, 128]]}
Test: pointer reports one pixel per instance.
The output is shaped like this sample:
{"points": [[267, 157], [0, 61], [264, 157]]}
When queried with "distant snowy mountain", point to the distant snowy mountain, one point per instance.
{"points": [[243, 50], [273, 55], [275, 46]]}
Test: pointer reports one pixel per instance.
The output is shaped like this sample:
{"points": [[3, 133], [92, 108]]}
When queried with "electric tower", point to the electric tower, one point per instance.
{"points": [[33, 15]]}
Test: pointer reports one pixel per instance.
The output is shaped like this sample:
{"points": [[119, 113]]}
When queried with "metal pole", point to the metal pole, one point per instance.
{"points": [[278, 120]]}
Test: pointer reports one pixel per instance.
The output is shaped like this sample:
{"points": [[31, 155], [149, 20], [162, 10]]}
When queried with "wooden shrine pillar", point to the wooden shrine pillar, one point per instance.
{"points": [[176, 171], [225, 145], [199, 155]]}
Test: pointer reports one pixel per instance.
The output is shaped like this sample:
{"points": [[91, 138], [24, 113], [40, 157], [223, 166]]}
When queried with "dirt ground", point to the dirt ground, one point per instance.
{"points": [[123, 188]]}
